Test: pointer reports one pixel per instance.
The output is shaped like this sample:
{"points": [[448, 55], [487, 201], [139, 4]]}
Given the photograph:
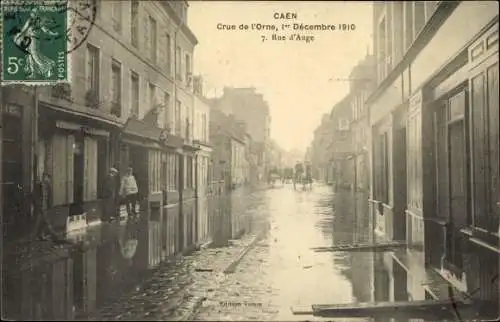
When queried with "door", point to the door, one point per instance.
{"points": [[400, 184], [12, 165], [78, 176]]}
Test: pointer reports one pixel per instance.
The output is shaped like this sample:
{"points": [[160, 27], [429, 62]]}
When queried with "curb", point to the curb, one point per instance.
{"points": [[232, 267], [188, 316]]}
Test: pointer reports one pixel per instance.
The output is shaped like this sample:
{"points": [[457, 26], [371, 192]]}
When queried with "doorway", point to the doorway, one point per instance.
{"points": [[400, 184], [12, 166], [78, 176]]}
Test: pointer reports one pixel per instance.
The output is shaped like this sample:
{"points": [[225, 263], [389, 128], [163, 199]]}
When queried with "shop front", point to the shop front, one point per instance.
{"points": [[171, 172], [141, 149], [74, 152]]}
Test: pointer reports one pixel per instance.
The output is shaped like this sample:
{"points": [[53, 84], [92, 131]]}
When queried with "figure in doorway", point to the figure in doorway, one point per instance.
{"points": [[111, 192], [42, 203], [129, 190]]}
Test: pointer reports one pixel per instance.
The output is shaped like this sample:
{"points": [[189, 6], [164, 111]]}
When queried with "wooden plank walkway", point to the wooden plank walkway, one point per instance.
{"points": [[410, 309], [386, 246]]}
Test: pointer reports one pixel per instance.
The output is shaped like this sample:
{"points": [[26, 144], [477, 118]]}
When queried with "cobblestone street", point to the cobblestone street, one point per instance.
{"points": [[176, 288]]}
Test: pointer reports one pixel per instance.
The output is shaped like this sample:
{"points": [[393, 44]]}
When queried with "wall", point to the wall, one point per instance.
{"points": [[118, 46], [451, 37]]}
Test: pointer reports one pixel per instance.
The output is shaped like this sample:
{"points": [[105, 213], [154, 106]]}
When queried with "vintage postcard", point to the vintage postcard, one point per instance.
{"points": [[250, 160]]}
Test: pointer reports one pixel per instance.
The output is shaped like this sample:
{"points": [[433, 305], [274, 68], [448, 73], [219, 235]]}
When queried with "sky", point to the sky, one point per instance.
{"points": [[300, 81]]}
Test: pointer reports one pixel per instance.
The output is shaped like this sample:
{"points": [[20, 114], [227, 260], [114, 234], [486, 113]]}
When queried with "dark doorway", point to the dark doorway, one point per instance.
{"points": [[12, 165], [400, 184], [139, 163], [78, 176]]}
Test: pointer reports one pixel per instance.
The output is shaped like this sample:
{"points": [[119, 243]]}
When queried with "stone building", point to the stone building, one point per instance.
{"points": [[435, 145], [130, 103], [246, 105]]}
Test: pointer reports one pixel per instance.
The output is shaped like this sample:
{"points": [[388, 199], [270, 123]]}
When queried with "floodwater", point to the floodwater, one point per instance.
{"points": [[282, 271]]}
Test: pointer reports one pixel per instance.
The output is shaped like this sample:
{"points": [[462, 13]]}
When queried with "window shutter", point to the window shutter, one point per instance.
{"points": [[93, 166], [56, 176], [69, 156]]}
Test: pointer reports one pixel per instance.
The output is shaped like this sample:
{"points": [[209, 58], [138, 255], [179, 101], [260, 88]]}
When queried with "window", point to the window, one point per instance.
{"points": [[153, 39], [172, 179], [419, 10], [188, 70], [117, 16], [414, 161], [381, 50], [93, 69], [204, 127], [485, 148], [178, 124], [151, 96], [134, 81], [166, 103], [430, 7], [116, 87], [178, 63], [381, 168], [189, 172], [168, 53], [154, 170], [408, 10], [134, 32]]}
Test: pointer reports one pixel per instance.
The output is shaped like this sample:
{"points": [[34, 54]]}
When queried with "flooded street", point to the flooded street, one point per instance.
{"points": [[283, 271]]}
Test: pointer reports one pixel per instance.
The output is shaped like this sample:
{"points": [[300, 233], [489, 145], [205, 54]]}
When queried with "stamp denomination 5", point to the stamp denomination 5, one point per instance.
{"points": [[37, 37]]}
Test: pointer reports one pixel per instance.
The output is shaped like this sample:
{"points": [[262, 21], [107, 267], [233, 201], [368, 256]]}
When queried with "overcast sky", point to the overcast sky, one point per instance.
{"points": [[301, 81]]}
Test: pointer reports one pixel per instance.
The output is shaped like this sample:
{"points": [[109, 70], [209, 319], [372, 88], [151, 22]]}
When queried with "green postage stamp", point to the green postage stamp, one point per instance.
{"points": [[34, 42]]}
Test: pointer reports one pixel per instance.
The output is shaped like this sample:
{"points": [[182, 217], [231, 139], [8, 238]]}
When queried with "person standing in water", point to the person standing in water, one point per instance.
{"points": [[129, 190]]}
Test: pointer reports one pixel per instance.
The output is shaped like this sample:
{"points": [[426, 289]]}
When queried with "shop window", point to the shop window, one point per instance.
{"points": [[172, 171], [154, 170]]}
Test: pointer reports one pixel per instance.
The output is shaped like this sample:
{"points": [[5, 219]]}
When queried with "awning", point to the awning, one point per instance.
{"points": [[142, 129], [172, 141]]}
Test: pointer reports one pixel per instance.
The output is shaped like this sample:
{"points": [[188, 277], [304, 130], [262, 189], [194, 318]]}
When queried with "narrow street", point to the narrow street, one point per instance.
{"points": [[280, 271]]}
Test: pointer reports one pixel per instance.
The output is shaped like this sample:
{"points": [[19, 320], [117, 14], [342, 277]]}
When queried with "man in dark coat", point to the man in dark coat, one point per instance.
{"points": [[111, 195]]}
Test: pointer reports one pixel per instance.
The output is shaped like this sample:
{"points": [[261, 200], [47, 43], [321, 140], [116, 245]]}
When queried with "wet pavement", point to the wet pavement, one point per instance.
{"points": [[280, 271]]}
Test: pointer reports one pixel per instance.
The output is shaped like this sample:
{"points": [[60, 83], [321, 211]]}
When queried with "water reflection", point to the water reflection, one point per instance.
{"points": [[122, 259], [374, 276]]}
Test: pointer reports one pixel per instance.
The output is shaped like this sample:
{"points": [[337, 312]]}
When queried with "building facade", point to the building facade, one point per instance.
{"points": [[201, 137], [130, 104], [321, 150], [435, 143], [342, 149], [250, 107], [362, 83]]}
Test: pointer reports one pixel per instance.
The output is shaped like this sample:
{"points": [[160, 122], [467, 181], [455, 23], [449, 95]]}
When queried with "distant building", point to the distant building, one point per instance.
{"points": [[361, 86], [247, 105], [201, 138]]}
